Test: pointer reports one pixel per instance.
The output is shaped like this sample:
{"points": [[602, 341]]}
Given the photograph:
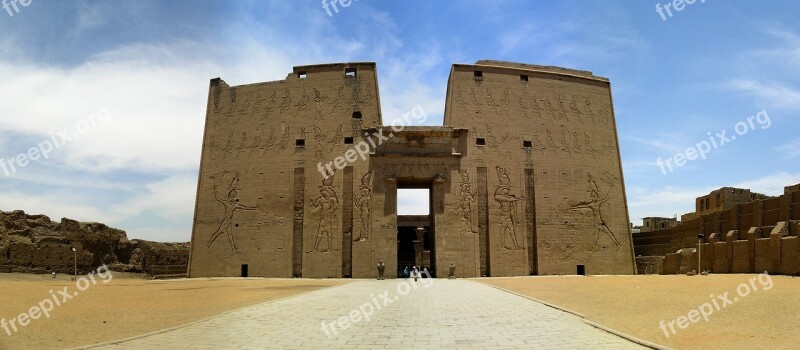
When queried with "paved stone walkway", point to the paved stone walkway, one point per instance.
{"points": [[450, 314]]}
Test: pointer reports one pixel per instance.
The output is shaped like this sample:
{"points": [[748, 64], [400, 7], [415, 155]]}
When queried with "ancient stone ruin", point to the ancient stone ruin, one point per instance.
{"points": [[35, 244]]}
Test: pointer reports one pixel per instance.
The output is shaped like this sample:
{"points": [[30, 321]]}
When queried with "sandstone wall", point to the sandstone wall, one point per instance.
{"points": [[514, 204], [552, 131]]}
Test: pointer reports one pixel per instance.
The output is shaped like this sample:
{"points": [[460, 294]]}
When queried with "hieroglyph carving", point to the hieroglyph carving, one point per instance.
{"points": [[467, 203], [327, 204], [364, 203], [595, 205], [231, 204], [509, 219]]}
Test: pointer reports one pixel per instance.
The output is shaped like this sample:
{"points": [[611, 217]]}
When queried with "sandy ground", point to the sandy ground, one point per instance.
{"points": [[763, 319], [127, 305]]}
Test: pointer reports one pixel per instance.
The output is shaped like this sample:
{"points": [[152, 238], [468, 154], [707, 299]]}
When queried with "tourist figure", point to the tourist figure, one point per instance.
{"points": [[425, 272], [405, 272], [415, 273]]}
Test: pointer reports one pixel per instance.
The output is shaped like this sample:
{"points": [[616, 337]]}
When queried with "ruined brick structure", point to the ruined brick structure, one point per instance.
{"points": [[750, 237], [721, 199], [35, 244], [524, 177]]}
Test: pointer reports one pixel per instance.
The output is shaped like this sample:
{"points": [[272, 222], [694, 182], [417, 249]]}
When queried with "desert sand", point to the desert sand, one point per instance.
{"points": [[764, 319], [129, 305]]}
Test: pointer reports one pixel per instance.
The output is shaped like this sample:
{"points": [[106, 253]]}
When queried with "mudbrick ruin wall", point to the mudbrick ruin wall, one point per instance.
{"points": [[749, 238], [35, 244]]}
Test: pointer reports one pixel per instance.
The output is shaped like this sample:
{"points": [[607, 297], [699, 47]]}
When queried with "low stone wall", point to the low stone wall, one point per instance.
{"points": [[778, 254], [649, 265], [35, 244]]}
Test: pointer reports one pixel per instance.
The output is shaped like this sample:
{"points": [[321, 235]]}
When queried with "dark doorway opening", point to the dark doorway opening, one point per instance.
{"points": [[406, 256], [245, 270], [582, 270]]}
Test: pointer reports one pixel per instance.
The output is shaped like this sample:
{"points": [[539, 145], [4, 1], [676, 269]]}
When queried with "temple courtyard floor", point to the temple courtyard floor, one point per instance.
{"points": [[558, 312]]}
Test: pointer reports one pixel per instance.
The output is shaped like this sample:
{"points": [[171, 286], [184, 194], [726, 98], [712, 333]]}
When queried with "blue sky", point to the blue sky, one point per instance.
{"points": [[130, 80]]}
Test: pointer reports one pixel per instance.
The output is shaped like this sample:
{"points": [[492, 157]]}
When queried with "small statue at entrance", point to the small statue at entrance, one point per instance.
{"points": [[452, 271], [381, 269]]}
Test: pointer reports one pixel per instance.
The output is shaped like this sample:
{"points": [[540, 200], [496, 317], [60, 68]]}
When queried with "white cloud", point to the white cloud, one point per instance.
{"points": [[671, 200], [771, 184], [772, 93], [156, 104], [156, 94], [769, 74], [791, 149], [413, 202]]}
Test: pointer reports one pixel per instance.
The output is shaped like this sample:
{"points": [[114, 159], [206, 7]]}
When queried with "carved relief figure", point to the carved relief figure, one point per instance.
{"points": [[550, 142], [256, 145], [244, 108], [491, 102], [603, 112], [213, 149], [508, 210], [468, 201], [577, 142], [588, 145], [243, 143], [337, 102], [269, 107], [364, 203], [259, 103], [476, 104], [229, 144], [506, 101], [564, 142], [319, 138], [337, 138], [535, 109], [286, 100], [588, 110], [460, 101], [270, 139], [492, 141], [231, 204], [562, 111], [319, 111], [367, 99], [522, 106], [302, 105], [285, 138], [549, 107], [327, 205], [537, 144], [573, 107], [354, 95], [597, 215]]}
